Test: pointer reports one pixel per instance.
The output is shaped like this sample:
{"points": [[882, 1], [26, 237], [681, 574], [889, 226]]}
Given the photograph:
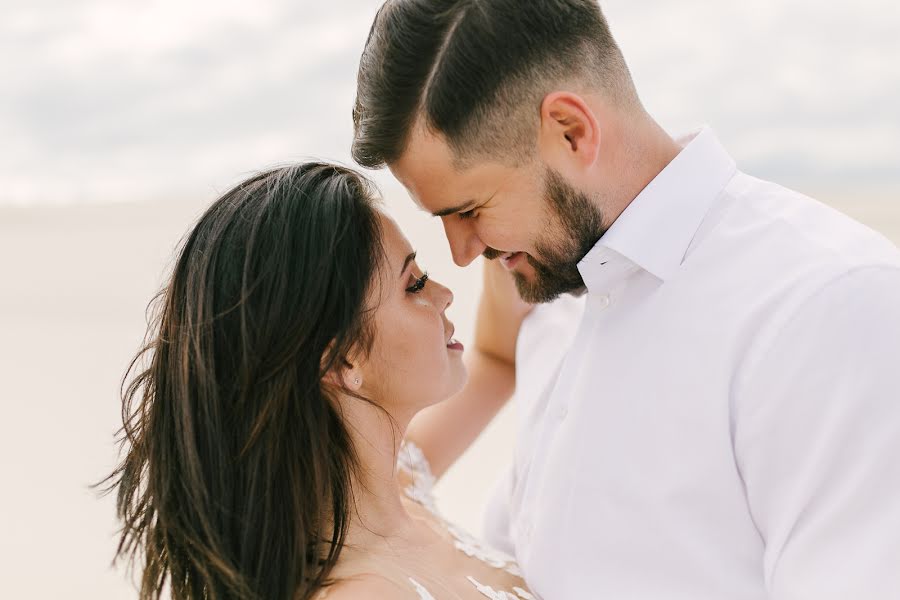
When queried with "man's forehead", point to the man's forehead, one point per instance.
{"points": [[426, 163], [430, 189], [434, 180], [439, 197]]}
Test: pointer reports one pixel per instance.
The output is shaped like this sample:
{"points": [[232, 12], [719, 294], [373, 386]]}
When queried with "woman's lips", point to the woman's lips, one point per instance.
{"points": [[511, 259], [455, 345], [452, 343]]}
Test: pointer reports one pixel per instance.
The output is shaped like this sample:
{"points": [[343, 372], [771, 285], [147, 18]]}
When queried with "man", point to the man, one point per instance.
{"points": [[726, 421]]}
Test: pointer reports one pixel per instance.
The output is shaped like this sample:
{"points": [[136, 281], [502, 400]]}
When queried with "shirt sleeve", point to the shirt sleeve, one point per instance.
{"points": [[816, 427]]}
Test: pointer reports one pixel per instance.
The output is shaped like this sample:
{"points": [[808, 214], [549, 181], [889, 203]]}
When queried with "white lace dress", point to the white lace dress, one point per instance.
{"points": [[412, 462]]}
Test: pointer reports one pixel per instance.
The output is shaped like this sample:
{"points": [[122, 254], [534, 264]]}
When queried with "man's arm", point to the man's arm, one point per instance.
{"points": [[446, 430], [817, 440]]}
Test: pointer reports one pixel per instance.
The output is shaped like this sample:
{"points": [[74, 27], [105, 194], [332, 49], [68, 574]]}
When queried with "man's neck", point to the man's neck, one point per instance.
{"points": [[644, 150]]}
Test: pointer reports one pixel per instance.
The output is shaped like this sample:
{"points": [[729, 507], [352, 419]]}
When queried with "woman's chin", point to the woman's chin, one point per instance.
{"points": [[445, 386], [458, 377]]}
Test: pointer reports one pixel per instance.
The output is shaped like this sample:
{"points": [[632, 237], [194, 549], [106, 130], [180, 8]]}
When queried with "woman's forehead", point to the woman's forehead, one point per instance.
{"points": [[396, 246]]}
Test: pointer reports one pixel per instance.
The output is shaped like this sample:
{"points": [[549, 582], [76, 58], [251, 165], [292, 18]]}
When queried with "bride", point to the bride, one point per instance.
{"points": [[271, 450]]}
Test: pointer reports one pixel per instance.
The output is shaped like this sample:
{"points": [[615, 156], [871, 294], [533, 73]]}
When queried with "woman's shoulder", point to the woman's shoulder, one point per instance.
{"points": [[365, 587]]}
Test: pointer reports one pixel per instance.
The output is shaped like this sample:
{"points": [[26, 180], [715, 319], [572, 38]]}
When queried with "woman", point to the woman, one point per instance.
{"points": [[266, 459]]}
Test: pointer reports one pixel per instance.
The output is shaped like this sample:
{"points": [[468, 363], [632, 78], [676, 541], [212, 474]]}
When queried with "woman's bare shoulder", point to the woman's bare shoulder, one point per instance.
{"points": [[365, 587]]}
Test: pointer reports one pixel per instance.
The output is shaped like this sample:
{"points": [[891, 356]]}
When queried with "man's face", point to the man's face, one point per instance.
{"points": [[527, 217]]}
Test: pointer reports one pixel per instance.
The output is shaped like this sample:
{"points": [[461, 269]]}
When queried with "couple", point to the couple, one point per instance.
{"points": [[706, 387]]}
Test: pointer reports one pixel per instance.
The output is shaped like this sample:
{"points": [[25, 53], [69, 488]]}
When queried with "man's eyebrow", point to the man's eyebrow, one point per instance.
{"points": [[454, 209], [409, 259]]}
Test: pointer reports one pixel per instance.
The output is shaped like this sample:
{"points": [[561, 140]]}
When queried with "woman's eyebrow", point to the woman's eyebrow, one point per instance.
{"points": [[409, 259]]}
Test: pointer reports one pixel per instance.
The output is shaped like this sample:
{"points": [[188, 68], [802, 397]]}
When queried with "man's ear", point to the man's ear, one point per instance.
{"points": [[569, 130]]}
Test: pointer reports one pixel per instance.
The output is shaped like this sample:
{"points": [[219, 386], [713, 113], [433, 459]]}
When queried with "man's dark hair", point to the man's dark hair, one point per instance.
{"points": [[476, 72]]}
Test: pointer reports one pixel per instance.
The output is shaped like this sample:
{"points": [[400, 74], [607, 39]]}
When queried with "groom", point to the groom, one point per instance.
{"points": [[725, 424]]}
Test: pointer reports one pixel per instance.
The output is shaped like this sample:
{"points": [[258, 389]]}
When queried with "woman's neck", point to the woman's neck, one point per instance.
{"points": [[377, 511]]}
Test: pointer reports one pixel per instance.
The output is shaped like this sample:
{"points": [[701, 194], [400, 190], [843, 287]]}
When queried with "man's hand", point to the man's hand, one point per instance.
{"points": [[500, 314]]}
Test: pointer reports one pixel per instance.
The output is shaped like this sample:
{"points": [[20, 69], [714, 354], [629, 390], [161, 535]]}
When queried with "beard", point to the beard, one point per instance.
{"points": [[575, 227]]}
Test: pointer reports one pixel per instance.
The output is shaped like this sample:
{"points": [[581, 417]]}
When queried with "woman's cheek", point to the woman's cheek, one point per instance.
{"points": [[408, 340], [416, 336], [427, 346]]}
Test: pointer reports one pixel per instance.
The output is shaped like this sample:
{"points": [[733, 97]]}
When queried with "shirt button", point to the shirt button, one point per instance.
{"points": [[603, 302], [562, 412]]}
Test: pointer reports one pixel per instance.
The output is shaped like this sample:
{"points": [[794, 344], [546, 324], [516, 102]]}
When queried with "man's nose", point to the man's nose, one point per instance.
{"points": [[465, 245]]}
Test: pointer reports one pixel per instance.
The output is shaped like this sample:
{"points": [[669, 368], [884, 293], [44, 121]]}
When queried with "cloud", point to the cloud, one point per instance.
{"points": [[112, 105], [109, 101], [798, 90]]}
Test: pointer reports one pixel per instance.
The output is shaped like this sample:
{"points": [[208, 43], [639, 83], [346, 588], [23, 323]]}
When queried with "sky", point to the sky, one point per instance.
{"points": [[108, 101]]}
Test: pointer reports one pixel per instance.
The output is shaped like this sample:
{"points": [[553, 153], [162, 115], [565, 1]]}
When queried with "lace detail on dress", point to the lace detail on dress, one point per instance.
{"points": [[423, 593], [475, 548], [523, 594], [489, 592], [411, 460]]}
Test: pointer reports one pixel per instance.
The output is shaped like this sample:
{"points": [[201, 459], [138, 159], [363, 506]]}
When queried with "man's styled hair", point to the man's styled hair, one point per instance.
{"points": [[476, 72]]}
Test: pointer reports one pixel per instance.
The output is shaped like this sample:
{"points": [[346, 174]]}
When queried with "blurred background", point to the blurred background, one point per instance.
{"points": [[121, 120]]}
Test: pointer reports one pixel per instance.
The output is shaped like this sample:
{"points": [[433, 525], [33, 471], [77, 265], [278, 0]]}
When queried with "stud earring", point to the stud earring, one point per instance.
{"points": [[356, 381]]}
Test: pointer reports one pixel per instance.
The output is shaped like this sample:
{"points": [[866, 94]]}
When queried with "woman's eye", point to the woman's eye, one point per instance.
{"points": [[418, 285]]}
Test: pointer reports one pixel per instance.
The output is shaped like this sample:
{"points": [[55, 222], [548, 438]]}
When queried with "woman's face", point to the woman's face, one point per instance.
{"points": [[415, 362]]}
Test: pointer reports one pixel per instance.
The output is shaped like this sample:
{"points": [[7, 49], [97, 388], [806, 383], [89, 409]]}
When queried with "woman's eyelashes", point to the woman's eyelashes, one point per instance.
{"points": [[418, 285]]}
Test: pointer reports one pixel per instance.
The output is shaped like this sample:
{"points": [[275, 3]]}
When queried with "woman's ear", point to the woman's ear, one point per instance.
{"points": [[343, 375], [344, 378], [333, 379], [353, 379]]}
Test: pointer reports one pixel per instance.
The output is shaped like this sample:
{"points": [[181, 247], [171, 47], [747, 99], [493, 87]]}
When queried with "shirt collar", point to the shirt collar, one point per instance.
{"points": [[656, 229]]}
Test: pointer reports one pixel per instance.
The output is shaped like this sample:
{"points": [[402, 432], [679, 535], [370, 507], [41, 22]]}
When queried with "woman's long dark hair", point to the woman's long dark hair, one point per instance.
{"points": [[236, 476]]}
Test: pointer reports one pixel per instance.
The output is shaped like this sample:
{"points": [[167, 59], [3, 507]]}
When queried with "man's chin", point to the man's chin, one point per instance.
{"points": [[533, 291], [538, 284]]}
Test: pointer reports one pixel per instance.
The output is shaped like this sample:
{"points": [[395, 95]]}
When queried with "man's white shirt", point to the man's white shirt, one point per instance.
{"points": [[719, 416]]}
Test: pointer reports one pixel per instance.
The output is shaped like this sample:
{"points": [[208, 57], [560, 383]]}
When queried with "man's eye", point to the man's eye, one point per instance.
{"points": [[469, 214]]}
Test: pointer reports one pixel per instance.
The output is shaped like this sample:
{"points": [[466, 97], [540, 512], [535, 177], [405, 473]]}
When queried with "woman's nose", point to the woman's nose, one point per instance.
{"points": [[443, 297]]}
